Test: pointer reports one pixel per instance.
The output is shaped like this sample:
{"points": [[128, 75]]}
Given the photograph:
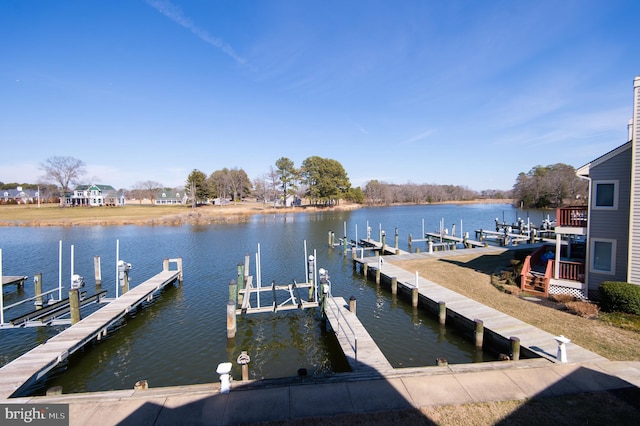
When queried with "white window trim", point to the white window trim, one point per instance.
{"points": [[593, 253], [616, 185]]}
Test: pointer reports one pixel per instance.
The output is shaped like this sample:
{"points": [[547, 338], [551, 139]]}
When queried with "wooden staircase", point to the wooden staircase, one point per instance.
{"points": [[536, 275]]}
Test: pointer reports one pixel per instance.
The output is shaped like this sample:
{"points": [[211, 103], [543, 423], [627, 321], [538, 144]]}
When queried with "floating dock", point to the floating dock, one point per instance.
{"points": [[33, 365], [358, 346]]}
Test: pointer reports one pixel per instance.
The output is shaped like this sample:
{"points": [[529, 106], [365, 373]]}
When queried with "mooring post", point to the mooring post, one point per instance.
{"points": [[74, 305], [383, 241], [479, 332], [442, 312], [394, 285], [54, 391], [247, 262], [243, 360], [430, 244], [396, 239], [329, 239], [180, 276], [240, 283], [141, 385], [311, 268], [165, 264], [37, 283], [344, 247], [123, 275], [365, 268], [414, 297], [515, 348], [352, 304], [410, 242], [97, 272], [378, 276], [233, 291], [231, 319]]}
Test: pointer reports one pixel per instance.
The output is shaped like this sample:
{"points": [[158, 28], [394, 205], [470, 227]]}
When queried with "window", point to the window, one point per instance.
{"points": [[605, 194], [603, 255]]}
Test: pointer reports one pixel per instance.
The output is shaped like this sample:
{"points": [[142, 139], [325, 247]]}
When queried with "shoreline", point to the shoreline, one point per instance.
{"points": [[150, 215]]}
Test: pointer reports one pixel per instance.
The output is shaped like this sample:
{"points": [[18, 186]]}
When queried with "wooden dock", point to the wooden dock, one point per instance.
{"points": [[33, 365], [371, 244], [17, 280], [465, 310], [450, 238], [362, 353]]}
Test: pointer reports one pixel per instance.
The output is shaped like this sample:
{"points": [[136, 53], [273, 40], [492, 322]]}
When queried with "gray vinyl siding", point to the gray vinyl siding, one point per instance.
{"points": [[634, 261], [612, 224]]}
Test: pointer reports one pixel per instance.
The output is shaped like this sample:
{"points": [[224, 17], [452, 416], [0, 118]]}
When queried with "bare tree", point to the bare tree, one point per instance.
{"points": [[63, 171], [147, 189]]}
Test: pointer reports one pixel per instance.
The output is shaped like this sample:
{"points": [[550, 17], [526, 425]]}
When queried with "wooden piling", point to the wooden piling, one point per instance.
{"points": [[240, 283], [352, 304], [233, 291], [479, 332], [74, 305], [179, 262], [365, 269], [54, 391], [344, 247], [141, 385], [97, 272], [329, 244], [515, 348], [231, 319], [37, 283], [442, 312], [378, 276], [414, 297], [311, 268], [394, 286], [396, 239], [410, 241]]}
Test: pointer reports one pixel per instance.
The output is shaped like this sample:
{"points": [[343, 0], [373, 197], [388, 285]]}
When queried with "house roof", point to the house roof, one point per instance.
{"points": [[584, 170], [97, 186]]}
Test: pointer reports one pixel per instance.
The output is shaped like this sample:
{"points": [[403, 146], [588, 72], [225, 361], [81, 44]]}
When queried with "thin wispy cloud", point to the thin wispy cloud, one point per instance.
{"points": [[418, 137], [175, 13]]}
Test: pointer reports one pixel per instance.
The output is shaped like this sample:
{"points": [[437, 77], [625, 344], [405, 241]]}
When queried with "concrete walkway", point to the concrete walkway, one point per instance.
{"points": [[278, 400]]}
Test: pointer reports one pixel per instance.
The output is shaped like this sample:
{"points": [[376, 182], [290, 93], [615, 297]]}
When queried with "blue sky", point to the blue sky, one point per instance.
{"points": [[445, 92]]}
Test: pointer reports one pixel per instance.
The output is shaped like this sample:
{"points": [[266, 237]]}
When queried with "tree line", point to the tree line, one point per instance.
{"points": [[323, 181]]}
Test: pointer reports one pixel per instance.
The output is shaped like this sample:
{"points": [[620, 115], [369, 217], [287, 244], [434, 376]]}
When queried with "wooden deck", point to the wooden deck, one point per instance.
{"points": [[34, 364], [17, 280], [372, 244], [537, 341], [358, 346]]}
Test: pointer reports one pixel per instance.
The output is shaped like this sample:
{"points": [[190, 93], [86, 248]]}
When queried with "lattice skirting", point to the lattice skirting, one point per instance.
{"points": [[575, 292]]}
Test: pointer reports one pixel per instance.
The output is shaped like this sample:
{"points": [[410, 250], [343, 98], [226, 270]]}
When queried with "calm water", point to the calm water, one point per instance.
{"points": [[181, 337]]}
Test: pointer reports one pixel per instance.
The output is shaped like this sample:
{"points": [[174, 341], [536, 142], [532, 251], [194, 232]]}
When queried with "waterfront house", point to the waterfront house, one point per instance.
{"points": [[93, 195], [171, 197], [19, 196], [601, 241]]}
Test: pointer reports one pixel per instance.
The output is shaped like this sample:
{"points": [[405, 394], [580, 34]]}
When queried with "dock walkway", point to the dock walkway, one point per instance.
{"points": [[357, 344], [34, 364], [537, 341], [17, 280]]}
